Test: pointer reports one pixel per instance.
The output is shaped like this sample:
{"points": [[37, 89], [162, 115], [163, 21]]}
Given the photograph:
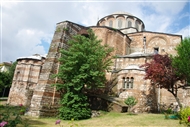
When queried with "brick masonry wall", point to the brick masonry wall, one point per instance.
{"points": [[45, 96], [24, 81]]}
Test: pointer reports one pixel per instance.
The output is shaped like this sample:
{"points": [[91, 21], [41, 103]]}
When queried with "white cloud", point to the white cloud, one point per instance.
{"points": [[26, 26], [8, 4], [168, 8], [185, 32]]}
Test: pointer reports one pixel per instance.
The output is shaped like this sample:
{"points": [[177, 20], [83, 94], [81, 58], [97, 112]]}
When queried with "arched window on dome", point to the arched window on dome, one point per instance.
{"points": [[137, 25], [110, 23], [129, 24], [119, 23]]}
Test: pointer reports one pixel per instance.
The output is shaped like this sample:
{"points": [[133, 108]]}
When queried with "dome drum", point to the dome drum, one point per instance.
{"points": [[124, 22]]}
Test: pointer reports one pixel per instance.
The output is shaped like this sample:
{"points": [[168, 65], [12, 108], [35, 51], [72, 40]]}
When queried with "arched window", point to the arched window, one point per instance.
{"points": [[129, 24], [132, 79], [110, 23], [137, 25], [119, 23], [128, 82]]}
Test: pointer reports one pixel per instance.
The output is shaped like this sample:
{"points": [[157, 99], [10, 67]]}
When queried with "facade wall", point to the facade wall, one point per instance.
{"points": [[164, 42], [114, 39]]}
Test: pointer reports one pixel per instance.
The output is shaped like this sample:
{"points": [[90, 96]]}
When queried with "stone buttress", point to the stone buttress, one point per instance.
{"points": [[45, 100]]}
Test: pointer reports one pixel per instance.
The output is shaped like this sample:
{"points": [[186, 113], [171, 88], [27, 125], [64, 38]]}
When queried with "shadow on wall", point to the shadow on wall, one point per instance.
{"points": [[150, 101]]}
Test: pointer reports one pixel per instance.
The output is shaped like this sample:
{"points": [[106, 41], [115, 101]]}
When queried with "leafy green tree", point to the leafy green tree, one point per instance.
{"points": [[7, 77], [182, 60], [82, 66], [5, 80], [12, 70]]}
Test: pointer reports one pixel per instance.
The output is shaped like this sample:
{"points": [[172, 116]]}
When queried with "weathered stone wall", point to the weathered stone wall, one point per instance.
{"points": [[24, 81], [167, 99], [165, 42], [147, 95], [142, 90], [113, 38]]}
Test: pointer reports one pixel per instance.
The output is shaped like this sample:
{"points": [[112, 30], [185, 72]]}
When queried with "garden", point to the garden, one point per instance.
{"points": [[13, 116]]}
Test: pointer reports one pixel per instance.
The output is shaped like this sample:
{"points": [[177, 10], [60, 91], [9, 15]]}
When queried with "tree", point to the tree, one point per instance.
{"points": [[12, 70], [82, 66], [5, 80], [182, 60], [7, 77], [161, 73]]}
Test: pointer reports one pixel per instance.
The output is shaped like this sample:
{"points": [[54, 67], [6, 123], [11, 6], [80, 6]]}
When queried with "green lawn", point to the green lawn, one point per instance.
{"points": [[106, 119], [109, 120]]}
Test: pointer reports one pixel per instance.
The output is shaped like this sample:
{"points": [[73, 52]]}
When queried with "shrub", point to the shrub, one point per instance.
{"points": [[10, 116], [130, 102], [184, 116]]}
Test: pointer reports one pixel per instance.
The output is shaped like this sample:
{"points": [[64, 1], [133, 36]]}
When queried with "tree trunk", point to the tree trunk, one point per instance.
{"points": [[174, 93], [178, 101]]}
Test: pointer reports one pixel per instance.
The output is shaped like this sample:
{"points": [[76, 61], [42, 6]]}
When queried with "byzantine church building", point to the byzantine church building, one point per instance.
{"points": [[133, 46]]}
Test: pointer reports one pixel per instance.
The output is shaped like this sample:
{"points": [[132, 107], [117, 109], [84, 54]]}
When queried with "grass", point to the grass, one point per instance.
{"points": [[110, 119], [106, 119]]}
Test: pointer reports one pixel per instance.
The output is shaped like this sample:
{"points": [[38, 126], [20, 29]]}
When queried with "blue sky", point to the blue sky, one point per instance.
{"points": [[27, 27]]}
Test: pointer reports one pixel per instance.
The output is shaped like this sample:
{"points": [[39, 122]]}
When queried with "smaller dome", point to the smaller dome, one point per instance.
{"points": [[35, 57]]}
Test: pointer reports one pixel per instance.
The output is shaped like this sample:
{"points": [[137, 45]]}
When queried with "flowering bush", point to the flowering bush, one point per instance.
{"points": [[10, 116], [3, 123], [22, 109], [184, 115], [57, 122]]}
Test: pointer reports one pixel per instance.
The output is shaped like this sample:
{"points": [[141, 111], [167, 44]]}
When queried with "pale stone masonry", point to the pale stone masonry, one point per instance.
{"points": [[133, 46]]}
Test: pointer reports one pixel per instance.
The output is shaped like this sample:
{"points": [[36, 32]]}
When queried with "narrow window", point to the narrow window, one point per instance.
{"points": [[136, 25], [119, 23], [127, 83], [124, 82], [110, 23], [132, 79], [129, 24]]}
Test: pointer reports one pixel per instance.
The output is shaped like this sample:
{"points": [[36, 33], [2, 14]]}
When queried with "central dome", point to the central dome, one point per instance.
{"points": [[122, 12], [123, 21]]}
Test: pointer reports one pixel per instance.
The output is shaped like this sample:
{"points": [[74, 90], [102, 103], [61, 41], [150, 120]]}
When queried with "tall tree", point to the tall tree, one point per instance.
{"points": [[182, 60], [7, 77], [82, 65], [161, 73], [12, 70], [5, 80]]}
